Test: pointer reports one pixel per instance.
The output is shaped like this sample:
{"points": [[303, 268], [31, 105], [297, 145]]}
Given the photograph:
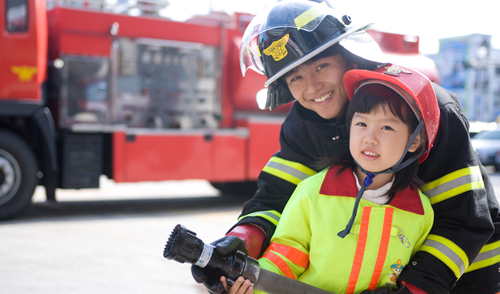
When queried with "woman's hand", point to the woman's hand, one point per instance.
{"points": [[240, 286]]}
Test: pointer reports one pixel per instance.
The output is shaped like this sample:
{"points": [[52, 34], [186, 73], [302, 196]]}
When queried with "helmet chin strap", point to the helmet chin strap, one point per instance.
{"points": [[370, 175]]}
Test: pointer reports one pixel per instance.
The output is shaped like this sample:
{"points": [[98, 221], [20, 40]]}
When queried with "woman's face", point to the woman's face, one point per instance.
{"points": [[318, 85]]}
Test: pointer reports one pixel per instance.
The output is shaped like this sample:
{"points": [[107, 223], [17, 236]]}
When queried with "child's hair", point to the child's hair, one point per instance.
{"points": [[366, 100]]}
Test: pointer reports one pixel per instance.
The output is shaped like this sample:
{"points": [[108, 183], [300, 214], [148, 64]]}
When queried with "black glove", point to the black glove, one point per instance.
{"points": [[388, 290], [227, 245]]}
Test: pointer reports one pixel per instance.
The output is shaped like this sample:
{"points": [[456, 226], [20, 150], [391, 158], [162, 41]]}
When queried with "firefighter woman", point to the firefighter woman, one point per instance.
{"points": [[461, 253], [393, 121]]}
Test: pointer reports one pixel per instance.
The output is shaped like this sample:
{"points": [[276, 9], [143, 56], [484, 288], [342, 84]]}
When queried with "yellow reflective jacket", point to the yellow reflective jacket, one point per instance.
{"points": [[306, 247]]}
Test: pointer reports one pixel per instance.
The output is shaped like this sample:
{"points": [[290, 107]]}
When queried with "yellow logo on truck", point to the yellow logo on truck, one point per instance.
{"points": [[24, 73], [277, 49]]}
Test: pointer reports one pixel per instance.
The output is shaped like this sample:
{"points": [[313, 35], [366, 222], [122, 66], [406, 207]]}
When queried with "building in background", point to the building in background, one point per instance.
{"points": [[470, 68]]}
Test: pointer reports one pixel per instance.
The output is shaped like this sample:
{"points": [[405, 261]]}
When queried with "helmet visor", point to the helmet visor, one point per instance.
{"points": [[303, 15]]}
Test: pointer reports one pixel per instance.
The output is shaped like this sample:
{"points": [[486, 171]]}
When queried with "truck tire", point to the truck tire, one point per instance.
{"points": [[18, 174], [236, 188]]}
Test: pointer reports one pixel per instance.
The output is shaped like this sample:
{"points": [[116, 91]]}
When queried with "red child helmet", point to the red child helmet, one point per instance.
{"points": [[414, 87]]}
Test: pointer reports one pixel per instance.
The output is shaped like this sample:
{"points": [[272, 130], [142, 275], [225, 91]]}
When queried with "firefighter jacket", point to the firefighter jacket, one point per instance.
{"points": [[464, 242], [306, 247]]}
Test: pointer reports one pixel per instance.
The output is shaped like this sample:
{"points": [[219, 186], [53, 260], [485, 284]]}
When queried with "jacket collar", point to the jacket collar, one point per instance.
{"points": [[408, 200]]}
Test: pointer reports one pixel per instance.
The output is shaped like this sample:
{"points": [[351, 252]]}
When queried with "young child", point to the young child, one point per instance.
{"points": [[393, 117]]}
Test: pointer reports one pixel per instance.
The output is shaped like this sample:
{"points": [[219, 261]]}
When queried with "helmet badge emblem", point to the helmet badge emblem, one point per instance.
{"points": [[396, 71], [277, 49]]}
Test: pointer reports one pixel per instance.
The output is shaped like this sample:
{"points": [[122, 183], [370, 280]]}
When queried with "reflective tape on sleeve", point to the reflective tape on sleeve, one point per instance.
{"points": [[280, 263], [448, 252], [488, 256], [293, 254], [290, 171], [271, 215], [453, 184]]}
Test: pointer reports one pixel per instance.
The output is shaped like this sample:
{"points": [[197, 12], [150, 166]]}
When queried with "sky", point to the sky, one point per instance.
{"points": [[431, 20]]}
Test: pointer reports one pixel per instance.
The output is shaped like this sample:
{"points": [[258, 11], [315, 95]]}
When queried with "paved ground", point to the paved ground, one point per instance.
{"points": [[83, 245]]}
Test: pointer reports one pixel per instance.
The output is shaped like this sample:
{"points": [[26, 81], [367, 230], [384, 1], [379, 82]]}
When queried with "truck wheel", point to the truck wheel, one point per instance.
{"points": [[18, 174], [236, 188]]}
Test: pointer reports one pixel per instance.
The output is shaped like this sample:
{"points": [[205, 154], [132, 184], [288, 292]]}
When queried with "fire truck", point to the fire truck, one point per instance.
{"points": [[89, 90]]}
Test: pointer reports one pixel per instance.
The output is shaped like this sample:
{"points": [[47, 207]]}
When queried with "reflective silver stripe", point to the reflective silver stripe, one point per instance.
{"points": [[450, 185], [448, 253], [487, 254], [287, 169], [269, 215]]}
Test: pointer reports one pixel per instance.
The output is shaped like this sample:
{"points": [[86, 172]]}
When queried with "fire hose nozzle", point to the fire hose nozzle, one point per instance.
{"points": [[183, 246]]}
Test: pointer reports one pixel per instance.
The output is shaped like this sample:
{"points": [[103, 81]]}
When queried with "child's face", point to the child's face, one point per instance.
{"points": [[378, 139], [318, 86]]}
